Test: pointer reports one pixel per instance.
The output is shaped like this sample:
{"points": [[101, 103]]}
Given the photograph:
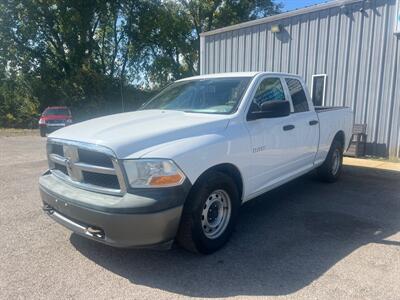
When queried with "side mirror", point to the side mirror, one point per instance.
{"points": [[271, 109]]}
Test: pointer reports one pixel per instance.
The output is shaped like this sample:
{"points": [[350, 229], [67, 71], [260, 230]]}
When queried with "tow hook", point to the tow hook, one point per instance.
{"points": [[47, 208]]}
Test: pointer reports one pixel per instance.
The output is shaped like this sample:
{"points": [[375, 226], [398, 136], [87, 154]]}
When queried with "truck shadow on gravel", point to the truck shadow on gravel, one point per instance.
{"points": [[283, 241]]}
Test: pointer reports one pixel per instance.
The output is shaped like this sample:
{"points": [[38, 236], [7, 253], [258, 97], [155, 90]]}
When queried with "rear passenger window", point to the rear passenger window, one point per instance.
{"points": [[269, 89], [299, 97]]}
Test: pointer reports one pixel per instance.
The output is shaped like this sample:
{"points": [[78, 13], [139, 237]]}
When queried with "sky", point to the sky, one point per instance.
{"points": [[294, 4]]}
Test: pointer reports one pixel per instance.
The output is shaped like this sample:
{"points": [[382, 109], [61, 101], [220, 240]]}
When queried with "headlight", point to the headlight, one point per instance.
{"points": [[42, 121], [68, 121], [153, 173]]}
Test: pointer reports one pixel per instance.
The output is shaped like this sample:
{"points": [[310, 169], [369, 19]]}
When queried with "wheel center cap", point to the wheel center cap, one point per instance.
{"points": [[212, 213]]}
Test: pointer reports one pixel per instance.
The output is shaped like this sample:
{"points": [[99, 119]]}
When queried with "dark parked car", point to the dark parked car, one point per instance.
{"points": [[53, 118]]}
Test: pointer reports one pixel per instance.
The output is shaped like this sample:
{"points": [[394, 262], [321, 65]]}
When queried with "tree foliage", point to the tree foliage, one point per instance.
{"points": [[93, 54]]}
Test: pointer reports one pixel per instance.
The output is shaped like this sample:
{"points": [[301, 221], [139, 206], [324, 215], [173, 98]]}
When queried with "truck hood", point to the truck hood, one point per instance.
{"points": [[134, 132]]}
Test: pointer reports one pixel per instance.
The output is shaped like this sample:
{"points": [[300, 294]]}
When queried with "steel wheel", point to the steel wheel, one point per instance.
{"points": [[216, 214]]}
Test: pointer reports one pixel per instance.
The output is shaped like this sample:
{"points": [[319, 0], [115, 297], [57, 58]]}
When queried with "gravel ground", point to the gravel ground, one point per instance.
{"points": [[305, 240]]}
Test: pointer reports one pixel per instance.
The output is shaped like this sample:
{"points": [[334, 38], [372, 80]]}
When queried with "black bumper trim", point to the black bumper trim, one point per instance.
{"points": [[118, 230]]}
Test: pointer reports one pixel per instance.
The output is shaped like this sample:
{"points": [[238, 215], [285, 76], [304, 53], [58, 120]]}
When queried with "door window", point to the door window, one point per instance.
{"points": [[298, 95], [269, 89]]}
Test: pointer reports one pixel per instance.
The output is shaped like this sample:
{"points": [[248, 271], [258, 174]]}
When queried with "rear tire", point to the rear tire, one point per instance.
{"points": [[42, 132], [331, 169], [209, 214]]}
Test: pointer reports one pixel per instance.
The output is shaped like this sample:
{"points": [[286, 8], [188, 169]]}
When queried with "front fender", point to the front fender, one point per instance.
{"points": [[194, 155]]}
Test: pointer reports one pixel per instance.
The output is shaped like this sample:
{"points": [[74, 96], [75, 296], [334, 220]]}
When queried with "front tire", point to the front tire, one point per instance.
{"points": [[209, 214], [331, 169]]}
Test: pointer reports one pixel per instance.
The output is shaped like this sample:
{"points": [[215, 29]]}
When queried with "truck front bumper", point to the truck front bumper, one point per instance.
{"points": [[127, 221]]}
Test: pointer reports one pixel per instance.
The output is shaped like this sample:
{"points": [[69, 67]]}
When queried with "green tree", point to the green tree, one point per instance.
{"points": [[72, 51], [18, 108], [173, 32], [97, 55]]}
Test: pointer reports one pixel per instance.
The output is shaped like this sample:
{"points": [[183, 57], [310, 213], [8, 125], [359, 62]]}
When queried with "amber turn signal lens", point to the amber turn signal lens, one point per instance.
{"points": [[165, 180]]}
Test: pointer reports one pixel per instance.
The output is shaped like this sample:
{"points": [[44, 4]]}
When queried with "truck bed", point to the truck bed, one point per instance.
{"points": [[331, 120], [319, 109]]}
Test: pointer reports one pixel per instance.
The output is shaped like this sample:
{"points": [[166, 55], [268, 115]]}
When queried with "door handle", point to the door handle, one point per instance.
{"points": [[288, 127], [313, 122]]}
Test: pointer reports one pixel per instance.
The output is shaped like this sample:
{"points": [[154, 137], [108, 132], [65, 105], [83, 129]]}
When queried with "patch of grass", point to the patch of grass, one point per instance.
{"points": [[5, 132]]}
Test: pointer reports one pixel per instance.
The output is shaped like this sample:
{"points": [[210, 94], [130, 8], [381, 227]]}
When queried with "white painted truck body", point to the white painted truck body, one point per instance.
{"points": [[265, 155], [262, 153]]}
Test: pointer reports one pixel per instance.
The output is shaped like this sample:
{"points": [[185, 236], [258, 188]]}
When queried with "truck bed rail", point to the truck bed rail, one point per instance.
{"points": [[319, 109]]}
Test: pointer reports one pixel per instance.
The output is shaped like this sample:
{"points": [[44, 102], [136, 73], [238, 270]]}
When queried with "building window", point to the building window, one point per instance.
{"points": [[318, 89], [299, 98]]}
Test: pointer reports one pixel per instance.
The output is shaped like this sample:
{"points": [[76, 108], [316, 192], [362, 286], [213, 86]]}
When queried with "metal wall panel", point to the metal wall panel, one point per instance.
{"points": [[353, 42]]}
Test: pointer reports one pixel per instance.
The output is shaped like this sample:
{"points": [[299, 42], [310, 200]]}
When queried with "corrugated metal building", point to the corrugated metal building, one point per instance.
{"points": [[352, 46]]}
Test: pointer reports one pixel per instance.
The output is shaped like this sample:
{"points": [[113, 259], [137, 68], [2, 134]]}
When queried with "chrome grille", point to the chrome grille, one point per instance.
{"points": [[86, 166]]}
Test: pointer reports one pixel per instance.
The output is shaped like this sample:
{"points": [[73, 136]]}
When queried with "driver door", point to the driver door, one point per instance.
{"points": [[273, 147]]}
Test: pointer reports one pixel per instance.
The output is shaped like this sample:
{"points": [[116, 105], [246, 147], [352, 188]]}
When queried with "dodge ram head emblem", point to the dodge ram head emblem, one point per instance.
{"points": [[71, 157]]}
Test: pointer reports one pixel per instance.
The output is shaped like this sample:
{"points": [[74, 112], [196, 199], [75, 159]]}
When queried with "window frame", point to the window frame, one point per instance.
{"points": [[306, 93], [325, 76], [257, 85]]}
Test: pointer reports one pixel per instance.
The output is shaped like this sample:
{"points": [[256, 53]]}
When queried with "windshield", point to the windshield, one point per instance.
{"points": [[56, 111], [214, 95]]}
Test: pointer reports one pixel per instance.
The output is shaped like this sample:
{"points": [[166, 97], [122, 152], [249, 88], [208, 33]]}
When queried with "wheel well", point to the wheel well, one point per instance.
{"points": [[340, 137], [230, 170]]}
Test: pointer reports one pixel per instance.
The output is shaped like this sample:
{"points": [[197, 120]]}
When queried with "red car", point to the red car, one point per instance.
{"points": [[53, 118]]}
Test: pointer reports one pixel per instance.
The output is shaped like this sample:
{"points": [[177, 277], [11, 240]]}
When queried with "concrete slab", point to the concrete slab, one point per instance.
{"points": [[371, 163]]}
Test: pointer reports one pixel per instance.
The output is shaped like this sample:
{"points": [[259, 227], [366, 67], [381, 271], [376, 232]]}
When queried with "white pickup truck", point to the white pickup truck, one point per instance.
{"points": [[181, 167]]}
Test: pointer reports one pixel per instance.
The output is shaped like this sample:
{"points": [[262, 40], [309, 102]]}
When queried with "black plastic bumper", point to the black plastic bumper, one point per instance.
{"points": [[127, 221]]}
